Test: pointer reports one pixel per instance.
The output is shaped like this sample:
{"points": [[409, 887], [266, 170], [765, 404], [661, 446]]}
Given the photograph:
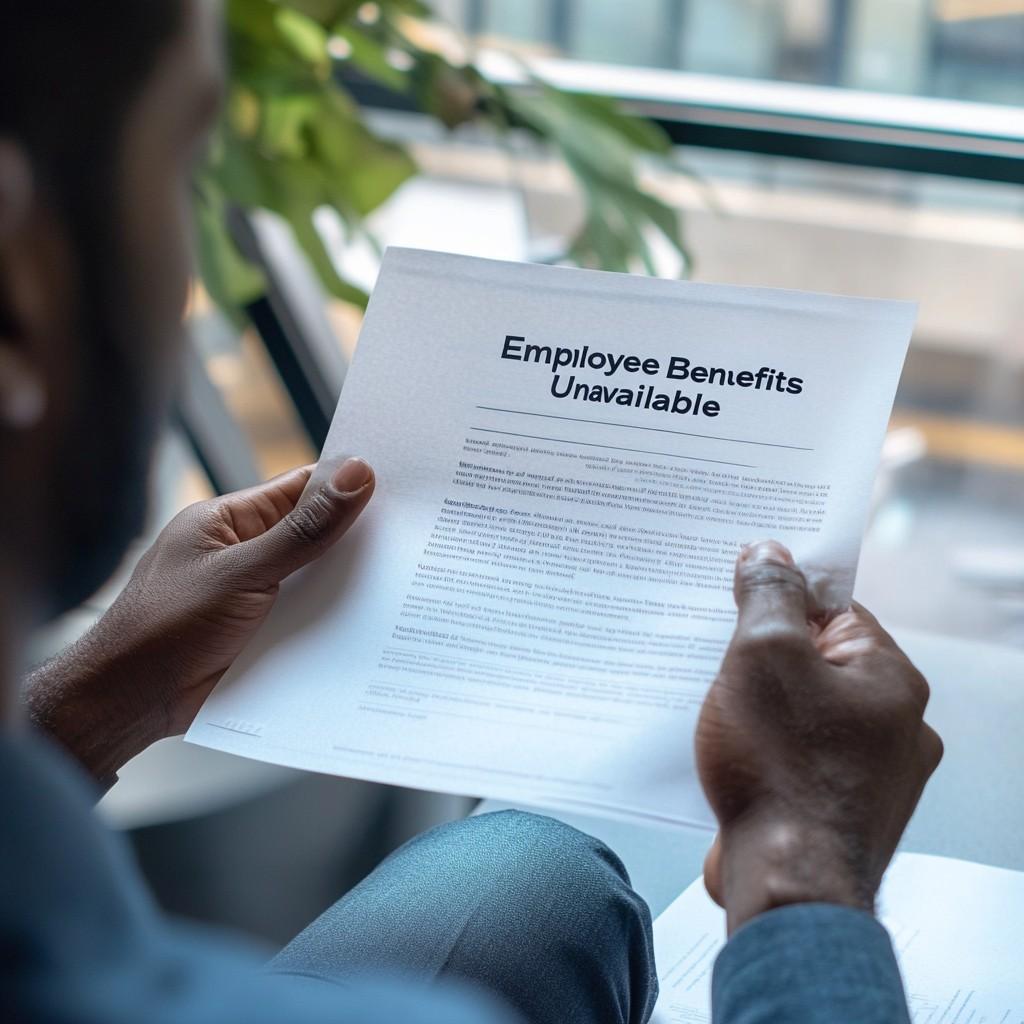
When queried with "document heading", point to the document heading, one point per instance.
{"points": [[564, 384]]}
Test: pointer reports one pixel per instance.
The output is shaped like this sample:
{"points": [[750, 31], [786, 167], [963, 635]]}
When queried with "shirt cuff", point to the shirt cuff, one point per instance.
{"points": [[809, 962]]}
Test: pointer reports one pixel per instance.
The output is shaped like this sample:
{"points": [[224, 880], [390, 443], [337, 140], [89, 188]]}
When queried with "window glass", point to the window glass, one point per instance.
{"points": [[962, 49]]}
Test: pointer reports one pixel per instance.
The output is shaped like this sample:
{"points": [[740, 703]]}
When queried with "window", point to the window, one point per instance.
{"points": [[956, 49]]}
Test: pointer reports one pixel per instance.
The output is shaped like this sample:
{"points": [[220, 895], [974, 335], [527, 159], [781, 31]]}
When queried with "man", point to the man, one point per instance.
{"points": [[812, 746]]}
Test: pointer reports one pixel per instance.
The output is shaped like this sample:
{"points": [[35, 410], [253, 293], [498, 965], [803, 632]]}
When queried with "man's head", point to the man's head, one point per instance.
{"points": [[106, 105]]}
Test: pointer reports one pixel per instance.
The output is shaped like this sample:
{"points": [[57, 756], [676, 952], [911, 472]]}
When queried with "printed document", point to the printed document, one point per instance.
{"points": [[539, 594], [954, 926]]}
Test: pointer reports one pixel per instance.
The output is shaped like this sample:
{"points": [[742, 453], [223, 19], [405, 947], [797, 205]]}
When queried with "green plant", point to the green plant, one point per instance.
{"points": [[292, 139]]}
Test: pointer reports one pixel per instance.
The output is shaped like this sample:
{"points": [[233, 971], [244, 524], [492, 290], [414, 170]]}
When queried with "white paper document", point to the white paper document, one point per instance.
{"points": [[539, 594], [956, 929]]}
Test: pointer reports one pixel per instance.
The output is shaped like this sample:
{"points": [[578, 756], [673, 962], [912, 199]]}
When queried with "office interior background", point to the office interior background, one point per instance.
{"points": [[864, 147]]}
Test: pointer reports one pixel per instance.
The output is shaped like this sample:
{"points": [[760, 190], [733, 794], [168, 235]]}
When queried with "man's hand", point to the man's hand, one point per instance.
{"points": [[194, 600], [811, 747]]}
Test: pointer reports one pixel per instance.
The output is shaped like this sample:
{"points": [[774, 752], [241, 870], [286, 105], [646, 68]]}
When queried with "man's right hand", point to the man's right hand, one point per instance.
{"points": [[811, 747]]}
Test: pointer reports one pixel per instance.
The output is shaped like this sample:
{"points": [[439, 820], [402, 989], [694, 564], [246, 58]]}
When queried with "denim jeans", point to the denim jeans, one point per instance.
{"points": [[523, 906]]}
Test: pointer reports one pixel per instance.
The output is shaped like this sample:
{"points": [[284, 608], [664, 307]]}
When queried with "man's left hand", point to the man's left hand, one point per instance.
{"points": [[195, 598]]}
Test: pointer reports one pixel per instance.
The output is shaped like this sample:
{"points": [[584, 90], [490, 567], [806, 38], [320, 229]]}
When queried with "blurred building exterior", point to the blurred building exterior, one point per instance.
{"points": [[962, 49]]}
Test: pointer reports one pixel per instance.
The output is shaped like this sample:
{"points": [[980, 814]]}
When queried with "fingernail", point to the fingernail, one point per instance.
{"points": [[766, 551], [352, 476]]}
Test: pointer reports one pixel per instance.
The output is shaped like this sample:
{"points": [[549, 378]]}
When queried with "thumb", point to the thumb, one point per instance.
{"points": [[319, 519], [770, 591], [713, 871]]}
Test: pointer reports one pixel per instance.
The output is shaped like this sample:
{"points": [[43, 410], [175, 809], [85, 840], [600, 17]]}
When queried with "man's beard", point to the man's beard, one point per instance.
{"points": [[104, 468], [105, 504], [108, 509]]}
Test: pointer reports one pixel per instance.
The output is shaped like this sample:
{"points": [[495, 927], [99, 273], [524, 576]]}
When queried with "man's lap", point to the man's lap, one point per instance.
{"points": [[520, 905]]}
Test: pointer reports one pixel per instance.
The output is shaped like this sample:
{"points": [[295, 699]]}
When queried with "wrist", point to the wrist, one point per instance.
{"points": [[86, 700], [775, 863]]}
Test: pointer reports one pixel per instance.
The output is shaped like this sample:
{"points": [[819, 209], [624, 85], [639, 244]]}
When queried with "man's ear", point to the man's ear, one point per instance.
{"points": [[22, 393]]}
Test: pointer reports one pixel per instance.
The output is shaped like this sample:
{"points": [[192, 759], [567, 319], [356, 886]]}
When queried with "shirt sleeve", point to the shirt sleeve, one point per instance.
{"points": [[809, 963]]}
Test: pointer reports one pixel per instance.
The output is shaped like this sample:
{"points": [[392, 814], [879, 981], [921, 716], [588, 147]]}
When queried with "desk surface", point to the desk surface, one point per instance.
{"points": [[973, 808]]}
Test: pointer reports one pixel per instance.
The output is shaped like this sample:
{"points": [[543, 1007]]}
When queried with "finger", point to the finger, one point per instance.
{"points": [[318, 520], [771, 593], [852, 636], [256, 509], [713, 871]]}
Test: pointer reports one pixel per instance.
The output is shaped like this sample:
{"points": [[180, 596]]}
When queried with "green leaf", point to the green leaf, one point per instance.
{"points": [[371, 58], [243, 174], [307, 39], [330, 13], [600, 150], [377, 171], [285, 127], [639, 132], [243, 112], [251, 21], [581, 139], [324, 12], [230, 279], [313, 246]]}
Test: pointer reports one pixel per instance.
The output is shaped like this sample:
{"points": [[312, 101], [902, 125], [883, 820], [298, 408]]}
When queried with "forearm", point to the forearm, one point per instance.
{"points": [[809, 963], [81, 700]]}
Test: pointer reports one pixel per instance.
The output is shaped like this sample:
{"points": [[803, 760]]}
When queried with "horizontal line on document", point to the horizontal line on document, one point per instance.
{"points": [[458, 657], [498, 703], [228, 728], [635, 426], [479, 718], [613, 448], [501, 670], [503, 704]]}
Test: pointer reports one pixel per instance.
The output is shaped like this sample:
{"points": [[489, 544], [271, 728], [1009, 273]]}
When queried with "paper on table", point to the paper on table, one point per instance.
{"points": [[954, 927], [536, 599]]}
